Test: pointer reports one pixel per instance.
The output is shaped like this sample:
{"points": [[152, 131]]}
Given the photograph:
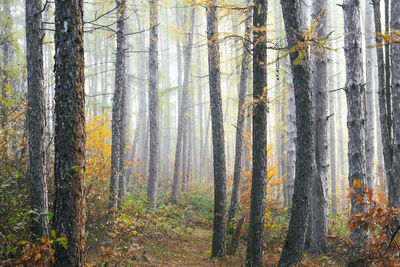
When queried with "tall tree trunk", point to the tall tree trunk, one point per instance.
{"points": [[240, 121], [388, 88], [394, 200], [355, 120], [120, 81], [218, 240], [154, 156], [259, 174], [200, 111], [69, 141], [117, 184], [294, 244], [369, 95], [182, 117], [36, 112], [319, 80], [332, 116]]}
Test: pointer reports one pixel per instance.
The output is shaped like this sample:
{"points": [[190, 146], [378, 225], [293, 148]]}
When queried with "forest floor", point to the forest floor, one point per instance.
{"points": [[195, 251], [181, 236]]}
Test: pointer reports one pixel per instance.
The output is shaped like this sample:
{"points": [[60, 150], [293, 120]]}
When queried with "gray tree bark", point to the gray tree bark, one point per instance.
{"points": [[355, 120], [291, 139], [319, 81], [369, 95], [120, 81], [36, 112], [240, 121], [294, 244], [69, 141], [118, 143], [154, 156], [219, 225], [259, 174], [394, 182]]}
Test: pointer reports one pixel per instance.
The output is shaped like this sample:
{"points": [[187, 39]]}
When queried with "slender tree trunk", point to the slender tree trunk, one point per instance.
{"points": [[332, 137], [36, 112], [369, 95], [355, 121], [117, 179], [201, 113], [319, 81], [154, 156], [218, 240], [120, 81], [69, 142], [240, 122], [388, 88], [259, 174], [294, 244]]}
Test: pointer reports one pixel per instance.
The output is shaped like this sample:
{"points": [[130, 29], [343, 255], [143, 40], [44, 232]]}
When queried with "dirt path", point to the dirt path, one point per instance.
{"points": [[193, 250]]}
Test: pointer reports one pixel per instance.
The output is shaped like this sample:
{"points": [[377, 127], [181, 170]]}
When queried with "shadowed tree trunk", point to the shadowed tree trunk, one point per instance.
{"points": [[394, 186], [69, 141], [117, 184], [36, 112], [240, 122], [154, 156], [319, 79], [259, 174], [218, 240], [355, 121], [294, 244]]}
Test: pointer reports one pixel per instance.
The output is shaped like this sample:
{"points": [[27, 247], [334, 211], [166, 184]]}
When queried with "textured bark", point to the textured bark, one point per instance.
{"points": [[294, 244], [240, 122], [383, 113], [182, 118], [118, 144], [218, 240], [36, 112], [319, 80], [154, 156], [259, 174], [388, 88], [69, 141], [291, 140], [369, 95], [120, 81], [355, 119], [394, 186]]}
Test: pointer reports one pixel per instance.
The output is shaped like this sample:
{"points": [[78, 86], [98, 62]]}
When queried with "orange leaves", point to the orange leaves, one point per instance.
{"points": [[357, 183]]}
